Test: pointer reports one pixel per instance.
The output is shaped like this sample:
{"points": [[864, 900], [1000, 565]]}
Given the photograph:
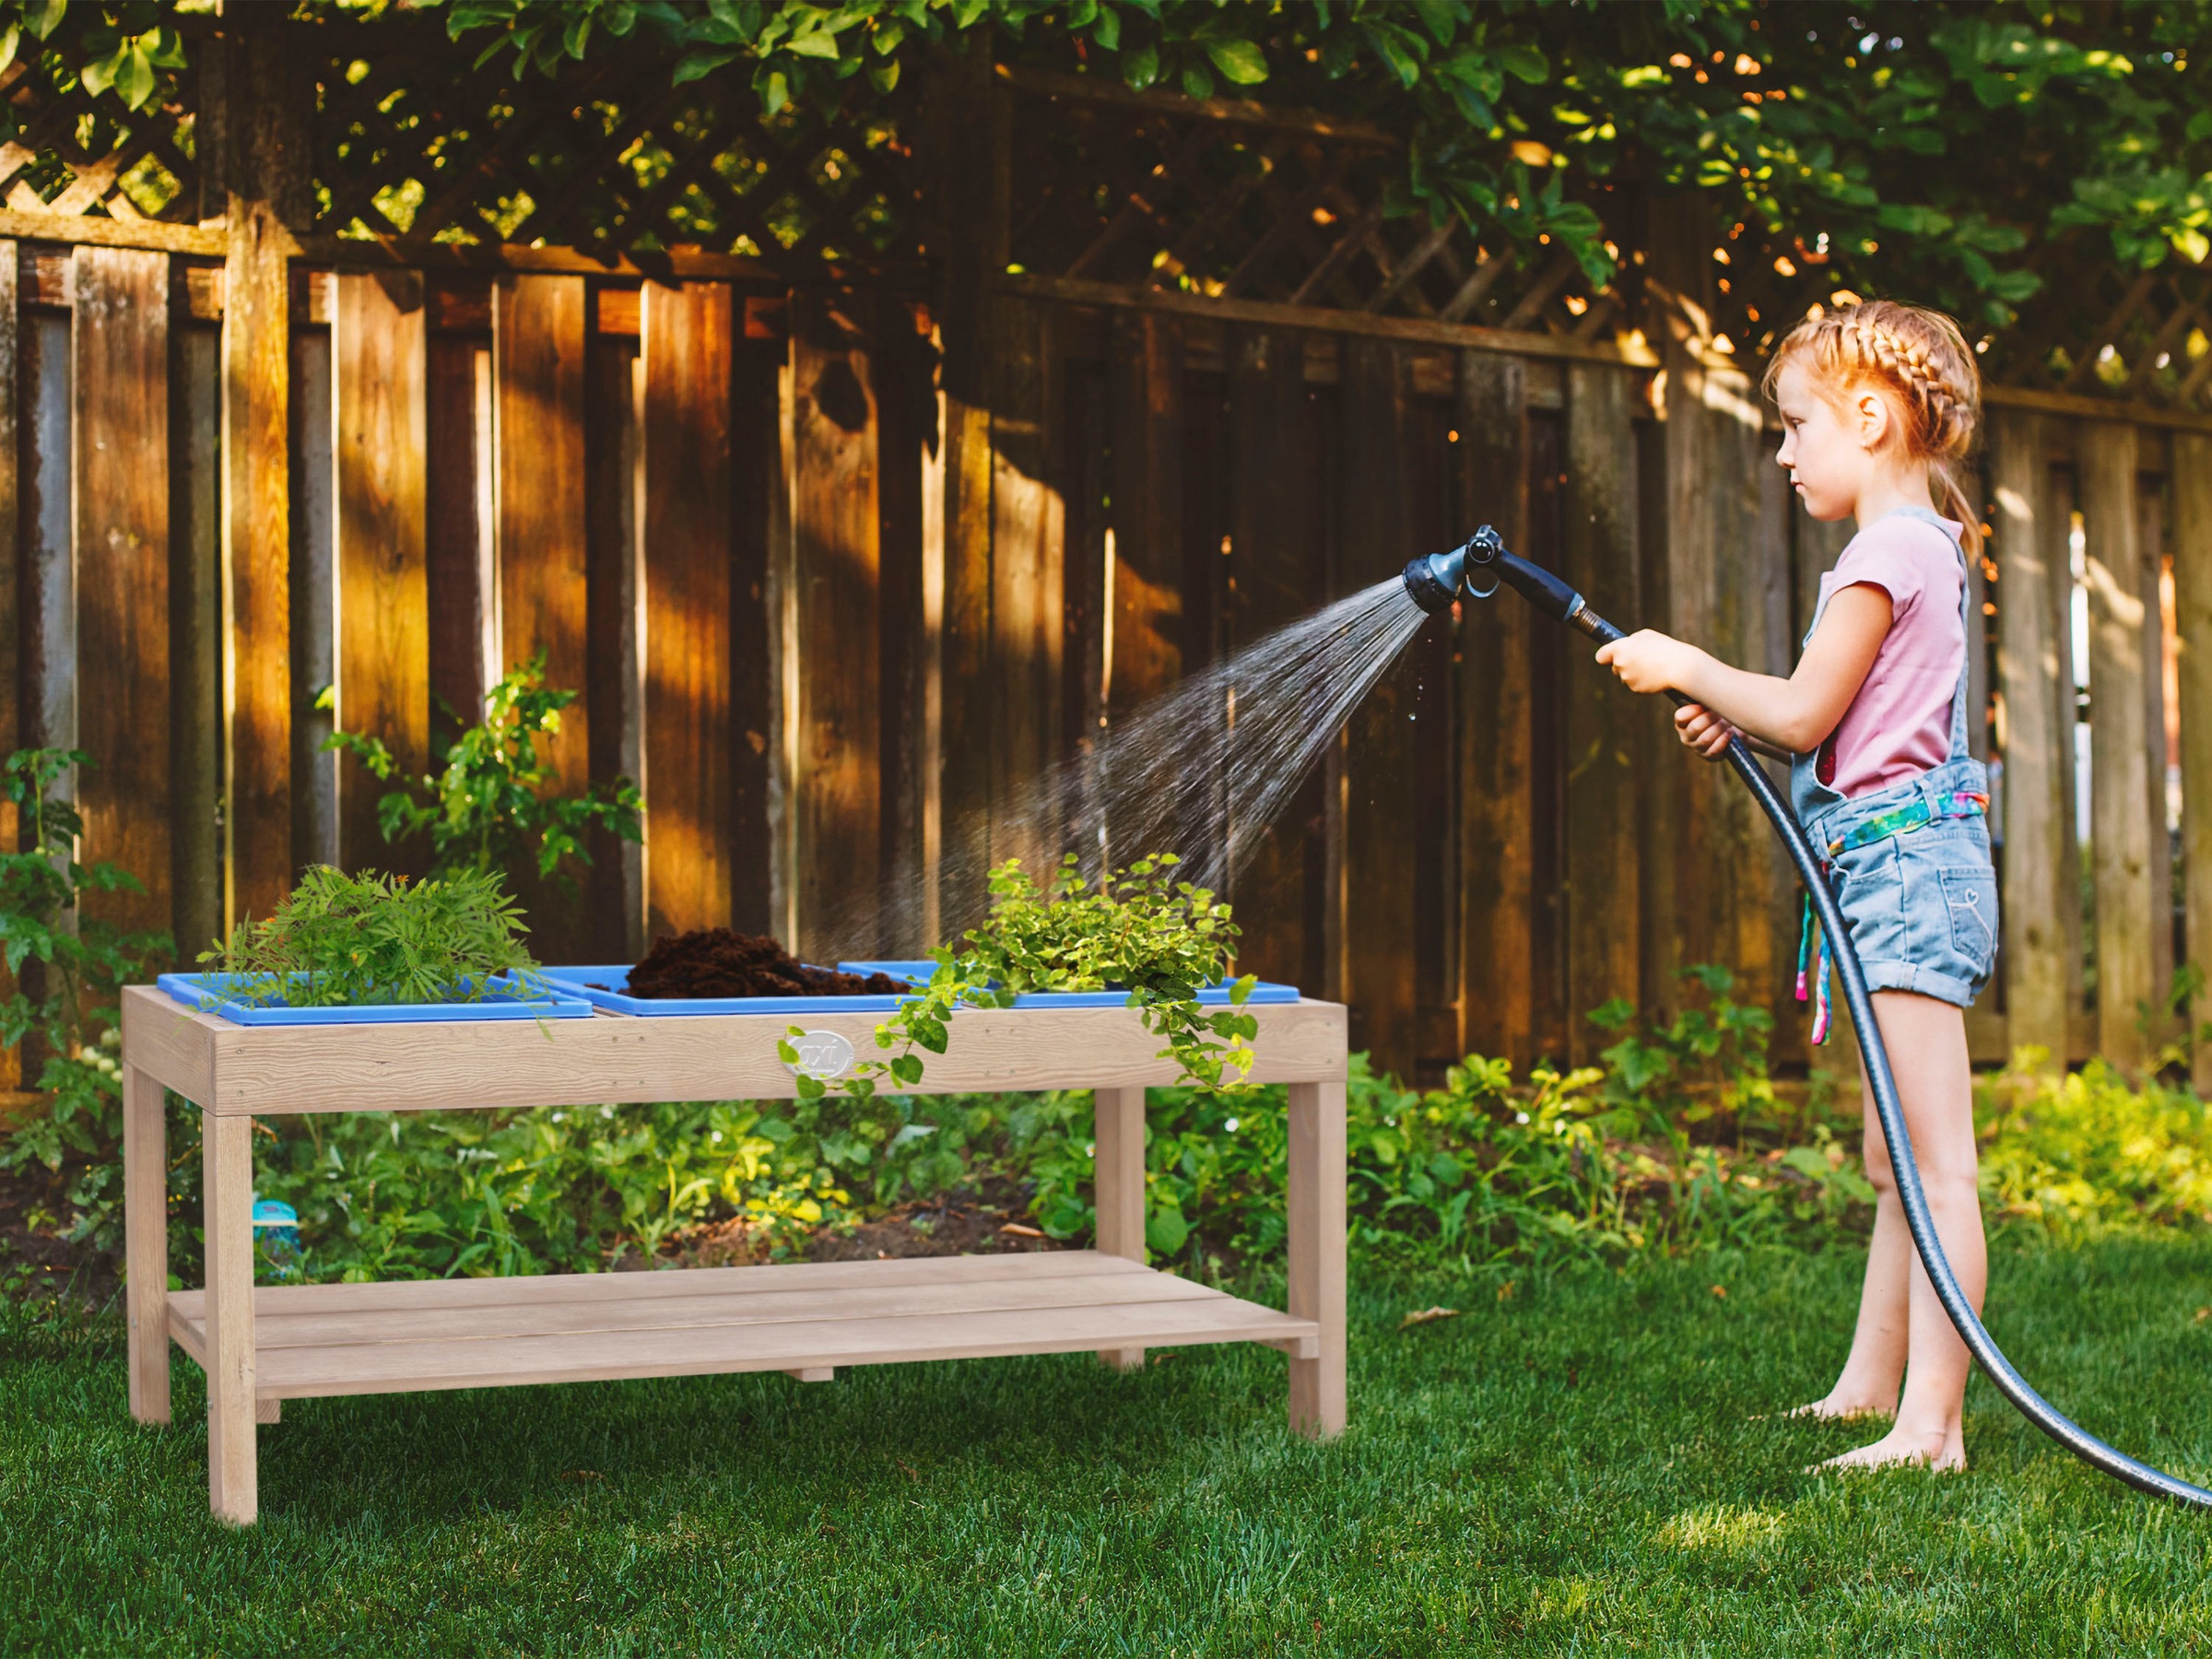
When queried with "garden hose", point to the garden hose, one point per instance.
{"points": [[1435, 582]]}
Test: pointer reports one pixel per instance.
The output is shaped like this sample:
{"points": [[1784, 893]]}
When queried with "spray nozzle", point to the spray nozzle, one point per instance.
{"points": [[1436, 580]]}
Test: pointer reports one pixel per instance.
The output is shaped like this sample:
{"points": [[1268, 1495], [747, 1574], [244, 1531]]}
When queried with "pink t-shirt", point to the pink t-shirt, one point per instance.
{"points": [[1900, 724]]}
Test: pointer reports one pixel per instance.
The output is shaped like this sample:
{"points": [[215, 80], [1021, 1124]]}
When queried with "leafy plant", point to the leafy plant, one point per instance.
{"points": [[85, 958], [1139, 930], [339, 941], [491, 805], [81, 962]]}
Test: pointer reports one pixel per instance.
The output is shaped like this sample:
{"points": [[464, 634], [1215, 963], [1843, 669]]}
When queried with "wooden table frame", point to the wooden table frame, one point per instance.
{"points": [[806, 1319]]}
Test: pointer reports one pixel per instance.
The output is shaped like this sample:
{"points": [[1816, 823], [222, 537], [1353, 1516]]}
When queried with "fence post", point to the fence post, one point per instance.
{"points": [[1718, 598], [1497, 880], [258, 147], [2030, 686], [2119, 832], [1604, 727], [2192, 539]]}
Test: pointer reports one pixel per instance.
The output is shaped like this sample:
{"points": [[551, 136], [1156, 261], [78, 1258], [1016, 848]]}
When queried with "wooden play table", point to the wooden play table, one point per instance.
{"points": [[262, 1345]]}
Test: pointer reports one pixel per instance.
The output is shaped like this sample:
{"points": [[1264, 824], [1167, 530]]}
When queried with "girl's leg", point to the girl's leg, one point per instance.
{"points": [[1875, 1367], [1927, 1039]]}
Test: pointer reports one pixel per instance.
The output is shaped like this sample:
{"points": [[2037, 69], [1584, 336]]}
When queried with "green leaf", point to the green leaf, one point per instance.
{"points": [[1240, 62], [1526, 64], [1140, 66], [1166, 1232], [1197, 81], [1107, 27]]}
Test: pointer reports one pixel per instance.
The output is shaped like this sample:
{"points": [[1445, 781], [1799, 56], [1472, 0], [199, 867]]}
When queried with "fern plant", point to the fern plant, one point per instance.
{"points": [[340, 940], [491, 804]]}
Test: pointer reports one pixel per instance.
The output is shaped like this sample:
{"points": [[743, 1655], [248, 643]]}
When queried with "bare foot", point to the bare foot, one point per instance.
{"points": [[1841, 1408], [1943, 1452]]}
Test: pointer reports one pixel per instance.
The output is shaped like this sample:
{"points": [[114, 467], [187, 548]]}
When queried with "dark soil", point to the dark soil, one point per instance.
{"points": [[31, 1203], [716, 961]]}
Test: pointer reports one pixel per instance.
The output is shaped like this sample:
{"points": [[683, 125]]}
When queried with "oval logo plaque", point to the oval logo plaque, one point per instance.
{"points": [[822, 1055]]}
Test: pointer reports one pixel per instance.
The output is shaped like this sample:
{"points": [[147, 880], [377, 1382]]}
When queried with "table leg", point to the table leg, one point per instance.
{"points": [[1118, 1131], [1315, 1204], [228, 1152], [145, 1242]]}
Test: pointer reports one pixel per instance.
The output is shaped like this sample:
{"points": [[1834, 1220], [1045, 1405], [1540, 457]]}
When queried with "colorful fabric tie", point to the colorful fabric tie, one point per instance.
{"points": [[1813, 983]]}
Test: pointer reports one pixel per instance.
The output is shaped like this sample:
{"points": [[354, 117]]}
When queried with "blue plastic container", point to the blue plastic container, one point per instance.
{"points": [[506, 999], [608, 988]]}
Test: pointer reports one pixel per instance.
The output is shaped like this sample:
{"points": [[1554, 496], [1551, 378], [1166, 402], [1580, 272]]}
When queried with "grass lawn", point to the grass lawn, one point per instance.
{"points": [[1579, 1468]]}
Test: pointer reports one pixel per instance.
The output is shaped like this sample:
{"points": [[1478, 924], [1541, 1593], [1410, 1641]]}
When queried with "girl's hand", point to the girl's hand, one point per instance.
{"points": [[1700, 729], [1650, 661]]}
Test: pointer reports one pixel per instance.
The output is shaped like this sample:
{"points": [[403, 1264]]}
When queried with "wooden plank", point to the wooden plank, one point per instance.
{"points": [[1118, 1159], [538, 352], [313, 597], [1347, 325], [1028, 531], [1720, 596], [586, 1289], [762, 509], [1146, 575], [540, 548], [11, 572], [1377, 775], [1496, 758], [2190, 482], [459, 569], [1606, 730], [146, 1243], [476, 1320], [257, 819], [837, 793], [379, 365], [615, 890], [1315, 1217], [2034, 684], [232, 1472], [400, 1067], [686, 533], [2095, 408], [965, 676], [1278, 514], [2120, 833], [2150, 538], [403, 1366], [195, 637], [2073, 695], [121, 473], [910, 608], [567, 1291], [155, 235]]}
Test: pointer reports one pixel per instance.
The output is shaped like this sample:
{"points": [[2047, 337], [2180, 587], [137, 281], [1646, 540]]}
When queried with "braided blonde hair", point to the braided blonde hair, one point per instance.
{"points": [[1920, 359]]}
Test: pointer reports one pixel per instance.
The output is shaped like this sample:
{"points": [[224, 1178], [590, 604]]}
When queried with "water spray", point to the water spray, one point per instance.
{"points": [[1476, 570]]}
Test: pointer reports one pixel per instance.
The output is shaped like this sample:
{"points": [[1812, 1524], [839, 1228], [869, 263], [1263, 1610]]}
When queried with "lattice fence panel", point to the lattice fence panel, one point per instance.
{"points": [[412, 140], [71, 154], [1168, 197]]}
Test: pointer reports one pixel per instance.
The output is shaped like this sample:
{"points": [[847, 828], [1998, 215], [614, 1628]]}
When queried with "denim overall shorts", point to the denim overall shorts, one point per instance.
{"points": [[1909, 866]]}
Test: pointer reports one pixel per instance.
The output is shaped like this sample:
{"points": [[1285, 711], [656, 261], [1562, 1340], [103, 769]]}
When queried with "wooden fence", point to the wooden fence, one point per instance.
{"points": [[842, 558]]}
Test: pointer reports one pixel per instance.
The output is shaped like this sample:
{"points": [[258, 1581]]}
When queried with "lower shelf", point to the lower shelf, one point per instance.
{"points": [[418, 1335]]}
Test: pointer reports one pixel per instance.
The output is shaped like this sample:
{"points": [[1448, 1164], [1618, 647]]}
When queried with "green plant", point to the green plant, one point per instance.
{"points": [[342, 940], [81, 962], [1139, 930], [491, 805]]}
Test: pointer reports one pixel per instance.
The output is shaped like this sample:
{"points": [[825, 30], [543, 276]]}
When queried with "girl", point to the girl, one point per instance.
{"points": [[1877, 402]]}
